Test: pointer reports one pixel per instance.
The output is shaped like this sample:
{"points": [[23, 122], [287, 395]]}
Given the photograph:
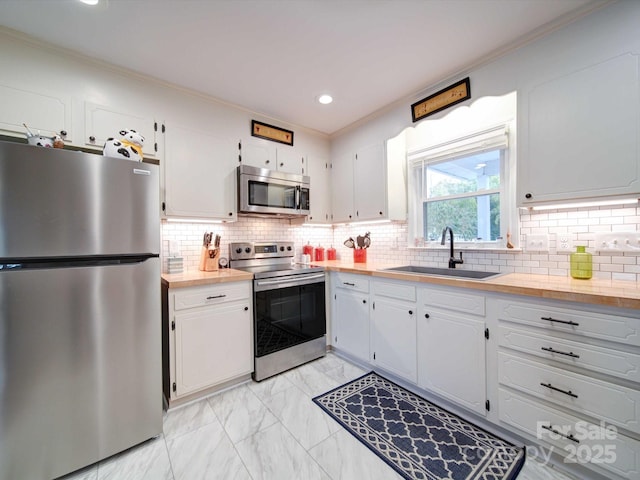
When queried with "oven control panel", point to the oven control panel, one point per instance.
{"points": [[253, 250]]}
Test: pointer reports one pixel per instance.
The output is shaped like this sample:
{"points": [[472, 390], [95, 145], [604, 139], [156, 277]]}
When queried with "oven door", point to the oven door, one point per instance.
{"points": [[288, 311]]}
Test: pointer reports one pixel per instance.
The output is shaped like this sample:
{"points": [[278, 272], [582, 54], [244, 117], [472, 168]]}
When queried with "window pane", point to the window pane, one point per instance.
{"points": [[468, 174], [472, 218]]}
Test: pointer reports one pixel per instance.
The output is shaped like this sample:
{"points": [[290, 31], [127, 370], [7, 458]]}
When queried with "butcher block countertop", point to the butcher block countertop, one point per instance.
{"points": [[612, 293], [195, 278]]}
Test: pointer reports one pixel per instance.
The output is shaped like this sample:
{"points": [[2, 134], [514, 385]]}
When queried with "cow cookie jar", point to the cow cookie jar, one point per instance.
{"points": [[128, 147]]}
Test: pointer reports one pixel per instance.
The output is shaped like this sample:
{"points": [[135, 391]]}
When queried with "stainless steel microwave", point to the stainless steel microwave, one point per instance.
{"points": [[268, 192]]}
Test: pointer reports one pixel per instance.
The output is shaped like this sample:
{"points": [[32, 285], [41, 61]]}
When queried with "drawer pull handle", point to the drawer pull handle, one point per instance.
{"points": [[566, 322], [551, 350], [350, 284], [569, 392], [568, 437], [215, 296]]}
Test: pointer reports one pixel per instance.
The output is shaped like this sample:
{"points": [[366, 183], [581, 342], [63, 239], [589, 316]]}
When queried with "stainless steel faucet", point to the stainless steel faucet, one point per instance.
{"points": [[452, 260]]}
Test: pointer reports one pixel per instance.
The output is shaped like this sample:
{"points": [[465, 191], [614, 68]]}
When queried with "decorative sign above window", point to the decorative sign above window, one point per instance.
{"points": [[445, 98], [269, 132]]}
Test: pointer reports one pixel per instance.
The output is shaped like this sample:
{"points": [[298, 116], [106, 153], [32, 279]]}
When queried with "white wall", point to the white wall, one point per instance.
{"points": [[601, 35]]}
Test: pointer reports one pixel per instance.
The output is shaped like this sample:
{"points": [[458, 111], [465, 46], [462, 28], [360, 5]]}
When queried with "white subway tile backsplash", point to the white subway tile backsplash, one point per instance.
{"points": [[389, 241]]}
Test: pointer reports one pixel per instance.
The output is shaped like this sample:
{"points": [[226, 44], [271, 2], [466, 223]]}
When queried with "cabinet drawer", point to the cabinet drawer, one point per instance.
{"points": [[589, 324], [398, 291], [210, 295], [604, 360], [603, 400], [359, 283], [453, 300], [531, 417]]}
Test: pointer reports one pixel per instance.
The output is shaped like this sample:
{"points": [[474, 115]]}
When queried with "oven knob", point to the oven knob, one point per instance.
{"points": [[289, 248], [282, 249], [247, 250], [238, 250]]}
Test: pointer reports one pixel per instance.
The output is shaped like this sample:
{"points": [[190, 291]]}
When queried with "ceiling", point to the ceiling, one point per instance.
{"points": [[275, 57]]}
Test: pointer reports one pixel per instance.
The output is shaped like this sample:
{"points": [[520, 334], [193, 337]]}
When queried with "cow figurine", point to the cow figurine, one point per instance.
{"points": [[129, 146]]}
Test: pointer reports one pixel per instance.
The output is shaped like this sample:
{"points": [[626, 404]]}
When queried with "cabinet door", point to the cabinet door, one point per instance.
{"points": [[48, 114], [582, 135], [103, 122], [342, 189], [289, 160], [370, 182], [451, 358], [200, 174], [393, 337], [351, 321], [258, 153], [212, 345], [318, 171]]}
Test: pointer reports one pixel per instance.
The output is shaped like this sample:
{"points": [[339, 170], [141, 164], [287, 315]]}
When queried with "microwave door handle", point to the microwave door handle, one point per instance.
{"points": [[298, 199]]}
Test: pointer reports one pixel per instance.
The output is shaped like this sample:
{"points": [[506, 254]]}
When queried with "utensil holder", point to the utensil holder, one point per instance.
{"points": [[359, 255], [209, 259]]}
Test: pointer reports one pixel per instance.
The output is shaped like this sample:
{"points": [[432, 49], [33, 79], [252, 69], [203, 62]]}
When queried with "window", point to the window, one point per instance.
{"points": [[463, 184]]}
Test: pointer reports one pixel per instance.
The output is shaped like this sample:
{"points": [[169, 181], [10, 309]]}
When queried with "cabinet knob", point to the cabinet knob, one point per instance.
{"points": [[349, 216], [231, 214], [410, 312], [281, 164], [527, 195], [63, 133], [380, 213], [364, 301], [426, 315], [92, 138], [267, 161], [246, 308]]}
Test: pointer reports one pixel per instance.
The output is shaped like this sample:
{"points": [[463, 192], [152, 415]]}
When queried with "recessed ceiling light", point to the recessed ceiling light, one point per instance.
{"points": [[325, 99], [90, 2]]}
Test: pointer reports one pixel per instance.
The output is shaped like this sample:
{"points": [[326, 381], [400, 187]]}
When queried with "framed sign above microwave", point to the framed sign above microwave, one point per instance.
{"points": [[270, 132]]}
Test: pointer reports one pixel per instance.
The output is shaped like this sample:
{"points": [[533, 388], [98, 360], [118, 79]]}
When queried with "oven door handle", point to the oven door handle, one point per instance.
{"points": [[290, 281]]}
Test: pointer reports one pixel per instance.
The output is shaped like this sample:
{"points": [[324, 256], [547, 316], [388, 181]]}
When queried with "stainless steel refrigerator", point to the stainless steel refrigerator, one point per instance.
{"points": [[80, 309]]}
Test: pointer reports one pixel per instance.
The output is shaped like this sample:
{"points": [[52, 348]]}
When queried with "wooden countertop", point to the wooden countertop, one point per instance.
{"points": [[195, 278], [613, 293]]}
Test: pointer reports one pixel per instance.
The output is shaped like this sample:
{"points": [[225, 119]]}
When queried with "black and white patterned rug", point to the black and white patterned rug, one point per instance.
{"points": [[417, 438]]}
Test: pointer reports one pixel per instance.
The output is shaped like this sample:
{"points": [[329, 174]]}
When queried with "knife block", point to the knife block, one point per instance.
{"points": [[209, 257]]}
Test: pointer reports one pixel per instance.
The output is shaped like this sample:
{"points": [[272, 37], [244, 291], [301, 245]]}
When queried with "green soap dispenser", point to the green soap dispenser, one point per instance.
{"points": [[581, 263]]}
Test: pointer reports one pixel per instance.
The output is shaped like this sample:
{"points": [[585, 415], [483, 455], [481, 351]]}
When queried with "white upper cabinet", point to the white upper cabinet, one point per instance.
{"points": [[342, 189], [265, 154], [40, 111], [200, 174], [318, 170], [290, 160], [370, 183], [103, 122], [361, 184], [581, 139]]}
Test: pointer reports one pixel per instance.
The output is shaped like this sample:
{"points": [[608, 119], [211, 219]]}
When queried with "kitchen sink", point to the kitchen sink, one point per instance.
{"points": [[443, 272]]}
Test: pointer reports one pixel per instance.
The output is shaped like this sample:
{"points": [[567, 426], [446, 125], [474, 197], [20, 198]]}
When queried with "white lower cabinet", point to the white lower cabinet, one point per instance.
{"points": [[208, 332], [561, 375], [393, 328], [568, 377], [350, 315], [452, 347]]}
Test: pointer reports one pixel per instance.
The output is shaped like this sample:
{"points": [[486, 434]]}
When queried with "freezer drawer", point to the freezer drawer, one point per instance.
{"points": [[80, 366]]}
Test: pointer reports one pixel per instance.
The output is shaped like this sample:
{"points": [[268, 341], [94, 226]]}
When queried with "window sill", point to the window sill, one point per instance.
{"points": [[468, 248]]}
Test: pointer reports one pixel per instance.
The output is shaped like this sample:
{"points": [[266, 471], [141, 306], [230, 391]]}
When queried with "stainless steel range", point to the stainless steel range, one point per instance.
{"points": [[288, 306]]}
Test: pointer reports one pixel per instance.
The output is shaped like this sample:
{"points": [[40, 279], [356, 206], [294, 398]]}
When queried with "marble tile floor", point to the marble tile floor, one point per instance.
{"points": [[262, 431]]}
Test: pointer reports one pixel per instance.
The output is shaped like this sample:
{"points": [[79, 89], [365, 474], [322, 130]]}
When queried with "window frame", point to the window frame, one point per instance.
{"points": [[497, 137]]}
